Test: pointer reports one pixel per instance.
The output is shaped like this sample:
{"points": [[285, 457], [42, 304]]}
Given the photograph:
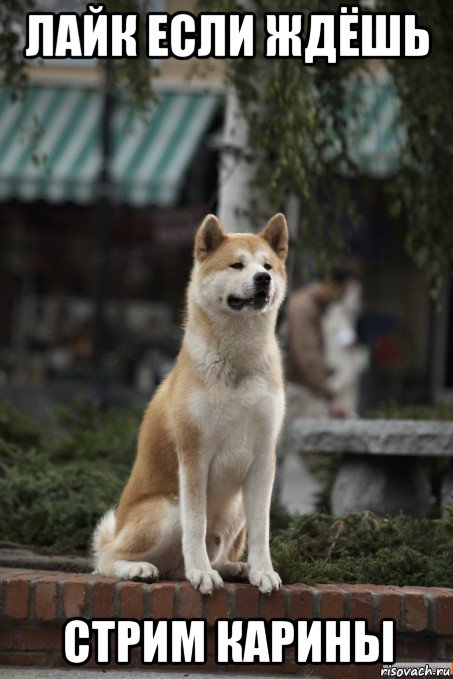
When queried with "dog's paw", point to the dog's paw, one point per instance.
{"points": [[204, 580], [266, 581], [234, 569], [135, 570]]}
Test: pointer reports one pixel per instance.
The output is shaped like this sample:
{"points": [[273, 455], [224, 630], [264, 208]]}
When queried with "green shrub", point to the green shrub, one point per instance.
{"points": [[53, 490], [91, 433], [16, 427], [361, 547], [391, 410], [54, 506]]}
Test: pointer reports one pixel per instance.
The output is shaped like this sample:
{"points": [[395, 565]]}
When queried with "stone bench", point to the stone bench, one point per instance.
{"points": [[380, 469]]}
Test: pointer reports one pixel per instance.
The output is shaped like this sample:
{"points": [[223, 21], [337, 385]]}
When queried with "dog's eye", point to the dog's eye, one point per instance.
{"points": [[268, 267], [237, 265]]}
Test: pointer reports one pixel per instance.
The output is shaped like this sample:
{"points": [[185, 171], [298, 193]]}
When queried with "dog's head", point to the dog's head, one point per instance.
{"points": [[240, 273]]}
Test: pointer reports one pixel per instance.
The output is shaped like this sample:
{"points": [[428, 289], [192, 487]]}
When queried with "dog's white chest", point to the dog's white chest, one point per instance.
{"points": [[225, 413], [235, 424]]}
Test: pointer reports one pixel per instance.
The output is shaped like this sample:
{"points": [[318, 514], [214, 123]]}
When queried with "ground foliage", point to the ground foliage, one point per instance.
{"points": [[360, 547], [53, 489], [392, 410]]}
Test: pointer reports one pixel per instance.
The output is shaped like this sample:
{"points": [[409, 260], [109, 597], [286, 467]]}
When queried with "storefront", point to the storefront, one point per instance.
{"points": [[163, 178]]}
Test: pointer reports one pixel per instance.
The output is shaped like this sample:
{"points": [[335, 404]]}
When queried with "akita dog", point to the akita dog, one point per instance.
{"points": [[205, 462]]}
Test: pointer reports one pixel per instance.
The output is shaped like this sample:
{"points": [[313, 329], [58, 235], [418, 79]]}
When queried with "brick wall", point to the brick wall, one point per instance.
{"points": [[35, 604]]}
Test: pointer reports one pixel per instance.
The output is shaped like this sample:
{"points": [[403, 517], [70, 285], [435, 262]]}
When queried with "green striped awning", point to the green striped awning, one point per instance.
{"points": [[375, 137], [50, 145]]}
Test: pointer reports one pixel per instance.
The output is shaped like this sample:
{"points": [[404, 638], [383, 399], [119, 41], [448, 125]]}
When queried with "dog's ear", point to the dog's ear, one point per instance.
{"points": [[276, 234], [209, 236]]}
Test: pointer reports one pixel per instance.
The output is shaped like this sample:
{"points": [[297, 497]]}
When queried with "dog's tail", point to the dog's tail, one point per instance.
{"points": [[102, 542]]}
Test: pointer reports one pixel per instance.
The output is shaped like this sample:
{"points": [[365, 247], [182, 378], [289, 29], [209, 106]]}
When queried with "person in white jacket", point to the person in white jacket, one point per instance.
{"points": [[346, 359]]}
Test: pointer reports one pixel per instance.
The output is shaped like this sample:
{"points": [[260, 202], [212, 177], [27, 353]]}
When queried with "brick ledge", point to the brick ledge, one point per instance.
{"points": [[34, 605]]}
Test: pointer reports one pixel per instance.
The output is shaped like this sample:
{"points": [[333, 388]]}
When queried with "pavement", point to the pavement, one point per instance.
{"points": [[14, 555], [81, 673]]}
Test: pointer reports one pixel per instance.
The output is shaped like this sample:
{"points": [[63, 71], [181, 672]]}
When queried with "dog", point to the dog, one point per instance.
{"points": [[205, 463]]}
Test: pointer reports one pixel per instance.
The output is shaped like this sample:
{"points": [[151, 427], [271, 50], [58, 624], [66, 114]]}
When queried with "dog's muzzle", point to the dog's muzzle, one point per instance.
{"points": [[260, 298]]}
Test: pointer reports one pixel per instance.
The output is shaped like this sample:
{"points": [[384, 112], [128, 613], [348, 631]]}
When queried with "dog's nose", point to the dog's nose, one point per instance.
{"points": [[262, 279]]}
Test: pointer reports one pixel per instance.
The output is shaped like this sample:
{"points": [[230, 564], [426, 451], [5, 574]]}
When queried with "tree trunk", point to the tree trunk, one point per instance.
{"points": [[236, 168]]}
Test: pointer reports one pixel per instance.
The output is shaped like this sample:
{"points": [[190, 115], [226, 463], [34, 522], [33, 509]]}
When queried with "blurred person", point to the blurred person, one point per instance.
{"points": [[309, 391], [346, 359]]}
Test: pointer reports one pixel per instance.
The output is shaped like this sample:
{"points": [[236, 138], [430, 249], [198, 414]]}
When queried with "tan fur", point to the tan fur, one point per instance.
{"points": [[238, 546], [206, 448]]}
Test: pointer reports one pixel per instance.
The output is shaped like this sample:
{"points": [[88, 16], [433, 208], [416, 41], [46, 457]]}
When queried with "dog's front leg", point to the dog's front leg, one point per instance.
{"points": [[257, 500], [193, 489]]}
